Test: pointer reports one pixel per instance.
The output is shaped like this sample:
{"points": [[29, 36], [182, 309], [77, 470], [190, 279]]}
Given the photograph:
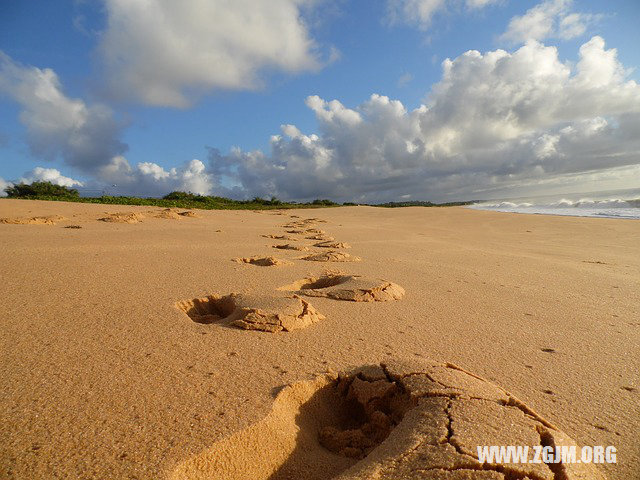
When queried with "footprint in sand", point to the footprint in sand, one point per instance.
{"points": [[289, 246], [398, 420], [331, 256], [294, 225], [48, 220], [331, 244], [122, 217], [263, 261], [281, 237], [251, 312], [326, 238], [174, 214], [347, 287]]}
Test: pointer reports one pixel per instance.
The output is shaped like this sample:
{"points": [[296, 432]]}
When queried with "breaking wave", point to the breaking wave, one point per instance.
{"points": [[581, 207]]}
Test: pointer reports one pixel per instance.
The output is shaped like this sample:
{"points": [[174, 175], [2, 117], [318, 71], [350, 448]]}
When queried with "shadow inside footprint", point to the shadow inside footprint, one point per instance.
{"points": [[253, 312], [400, 419], [208, 309]]}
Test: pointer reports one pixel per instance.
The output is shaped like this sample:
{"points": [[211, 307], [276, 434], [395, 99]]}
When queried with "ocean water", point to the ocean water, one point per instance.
{"points": [[609, 204]]}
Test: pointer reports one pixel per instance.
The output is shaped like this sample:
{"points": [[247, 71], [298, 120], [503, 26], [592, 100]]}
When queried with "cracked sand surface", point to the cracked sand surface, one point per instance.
{"points": [[253, 312], [347, 287], [397, 420]]}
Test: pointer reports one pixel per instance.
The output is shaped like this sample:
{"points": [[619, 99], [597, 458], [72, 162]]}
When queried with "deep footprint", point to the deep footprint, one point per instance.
{"points": [[347, 287], [248, 312], [397, 420], [263, 261]]}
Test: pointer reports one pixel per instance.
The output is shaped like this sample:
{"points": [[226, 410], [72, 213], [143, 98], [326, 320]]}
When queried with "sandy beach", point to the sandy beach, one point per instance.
{"points": [[105, 373]]}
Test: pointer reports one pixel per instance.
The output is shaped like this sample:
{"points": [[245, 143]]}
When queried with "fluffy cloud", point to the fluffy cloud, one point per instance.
{"points": [[85, 136], [4, 184], [150, 179], [551, 18], [40, 174], [493, 121], [162, 52], [419, 13]]}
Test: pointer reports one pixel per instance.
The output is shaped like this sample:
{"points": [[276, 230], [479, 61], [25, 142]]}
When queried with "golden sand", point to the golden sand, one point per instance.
{"points": [[107, 374]]}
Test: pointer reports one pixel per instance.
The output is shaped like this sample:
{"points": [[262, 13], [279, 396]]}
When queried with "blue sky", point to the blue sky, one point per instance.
{"points": [[107, 93]]}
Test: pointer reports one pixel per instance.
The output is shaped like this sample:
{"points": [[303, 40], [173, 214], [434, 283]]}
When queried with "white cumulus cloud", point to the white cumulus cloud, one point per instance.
{"points": [[150, 179], [163, 52], [85, 136], [494, 120], [548, 19], [41, 174]]}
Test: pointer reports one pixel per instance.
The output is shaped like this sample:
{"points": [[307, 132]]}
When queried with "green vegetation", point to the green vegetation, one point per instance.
{"points": [[49, 191], [41, 189], [324, 202]]}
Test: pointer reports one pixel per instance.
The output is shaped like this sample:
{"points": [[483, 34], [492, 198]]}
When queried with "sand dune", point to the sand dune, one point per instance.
{"points": [[103, 377]]}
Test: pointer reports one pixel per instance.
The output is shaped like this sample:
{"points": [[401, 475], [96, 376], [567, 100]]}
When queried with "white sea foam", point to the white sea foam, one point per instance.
{"points": [[597, 205]]}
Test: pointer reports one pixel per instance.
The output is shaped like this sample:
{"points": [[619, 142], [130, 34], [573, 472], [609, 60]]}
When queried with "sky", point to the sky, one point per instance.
{"points": [[361, 100]]}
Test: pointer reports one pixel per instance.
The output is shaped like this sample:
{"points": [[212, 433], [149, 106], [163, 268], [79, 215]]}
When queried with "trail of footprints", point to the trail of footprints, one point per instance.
{"points": [[285, 310], [118, 217], [401, 419]]}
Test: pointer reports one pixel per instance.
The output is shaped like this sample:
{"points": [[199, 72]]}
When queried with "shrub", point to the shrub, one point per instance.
{"points": [[184, 196], [323, 201], [40, 189]]}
